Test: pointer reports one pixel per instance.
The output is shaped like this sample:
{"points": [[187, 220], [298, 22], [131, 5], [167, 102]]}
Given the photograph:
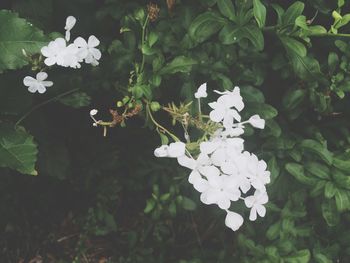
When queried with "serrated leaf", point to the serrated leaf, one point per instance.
{"points": [[17, 150], [17, 34]]}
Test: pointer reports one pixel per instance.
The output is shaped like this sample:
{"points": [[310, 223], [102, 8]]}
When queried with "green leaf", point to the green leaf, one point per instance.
{"points": [[318, 170], [293, 98], [76, 100], [266, 111], [188, 204], [342, 200], [318, 149], [16, 34], [301, 256], [273, 168], [17, 150], [227, 9], [333, 61], [341, 179], [152, 38], [329, 212], [178, 64], [259, 11], [274, 231], [320, 258], [150, 204], [231, 34], [292, 13], [205, 25], [293, 46], [251, 94], [329, 190], [297, 171], [341, 164], [279, 10]]}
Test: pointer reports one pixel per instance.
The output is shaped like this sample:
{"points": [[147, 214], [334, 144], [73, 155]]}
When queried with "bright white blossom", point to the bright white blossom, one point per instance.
{"points": [[37, 84], [93, 112], [87, 50], [233, 220], [257, 122], [65, 54], [224, 172], [255, 203], [70, 22], [201, 92]]}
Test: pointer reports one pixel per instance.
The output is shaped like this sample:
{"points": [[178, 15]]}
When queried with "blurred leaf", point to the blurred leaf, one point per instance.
{"points": [[227, 9], [76, 100], [178, 64], [17, 150]]}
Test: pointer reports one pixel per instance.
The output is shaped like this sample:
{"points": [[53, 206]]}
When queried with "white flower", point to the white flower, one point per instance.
{"points": [[231, 98], [222, 112], [70, 22], [233, 220], [220, 189], [39, 84], [257, 173], [93, 112], [53, 52], [256, 202], [201, 92], [70, 58], [257, 122], [176, 149], [161, 151], [88, 50]]}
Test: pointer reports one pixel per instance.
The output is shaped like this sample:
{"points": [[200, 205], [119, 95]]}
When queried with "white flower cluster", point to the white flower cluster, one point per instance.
{"points": [[65, 54], [223, 171]]}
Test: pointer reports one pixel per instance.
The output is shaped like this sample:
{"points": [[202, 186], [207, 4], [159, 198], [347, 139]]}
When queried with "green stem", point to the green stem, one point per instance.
{"points": [[330, 35], [44, 103], [173, 136], [143, 40]]}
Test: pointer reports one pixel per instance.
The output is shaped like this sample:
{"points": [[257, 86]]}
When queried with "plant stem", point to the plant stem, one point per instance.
{"points": [[143, 42], [173, 136], [44, 103]]}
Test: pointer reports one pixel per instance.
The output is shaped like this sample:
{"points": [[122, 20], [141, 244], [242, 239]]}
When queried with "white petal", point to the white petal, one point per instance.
{"points": [[161, 151], [93, 41], [47, 52], [29, 81], [208, 147], [217, 115], [261, 210], [95, 53], [249, 201], [41, 76], [32, 89], [233, 220], [252, 215], [224, 203], [41, 88], [50, 61], [93, 112], [210, 171], [47, 83], [80, 42], [67, 36], [176, 149], [257, 122], [201, 92], [70, 22], [187, 162]]}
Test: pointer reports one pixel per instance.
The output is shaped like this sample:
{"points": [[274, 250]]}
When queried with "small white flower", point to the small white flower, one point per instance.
{"points": [[201, 92], [233, 220], [161, 151], [257, 122], [88, 50], [176, 149], [256, 202], [39, 84], [70, 22], [93, 112], [53, 52], [257, 173], [69, 56]]}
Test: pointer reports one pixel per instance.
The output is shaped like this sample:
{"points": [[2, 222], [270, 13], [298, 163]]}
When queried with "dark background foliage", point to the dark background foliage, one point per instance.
{"points": [[108, 199]]}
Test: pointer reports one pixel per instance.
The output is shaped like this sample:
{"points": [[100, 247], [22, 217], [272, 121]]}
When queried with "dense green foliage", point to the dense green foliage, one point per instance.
{"points": [[70, 194]]}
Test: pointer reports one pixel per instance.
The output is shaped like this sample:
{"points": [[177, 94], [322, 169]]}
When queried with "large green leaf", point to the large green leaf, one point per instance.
{"points": [[205, 25], [16, 34], [17, 150], [298, 173], [178, 64], [291, 14], [259, 12], [227, 8], [318, 149]]}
